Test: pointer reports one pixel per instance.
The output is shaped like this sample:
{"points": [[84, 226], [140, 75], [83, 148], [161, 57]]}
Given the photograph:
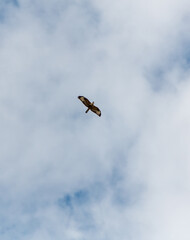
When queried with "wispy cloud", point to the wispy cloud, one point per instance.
{"points": [[69, 175]]}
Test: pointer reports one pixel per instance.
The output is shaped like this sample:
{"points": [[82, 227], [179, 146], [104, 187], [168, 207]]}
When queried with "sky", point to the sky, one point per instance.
{"points": [[67, 175]]}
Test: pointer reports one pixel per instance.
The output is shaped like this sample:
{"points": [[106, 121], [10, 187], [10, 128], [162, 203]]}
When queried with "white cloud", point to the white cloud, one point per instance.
{"points": [[129, 57]]}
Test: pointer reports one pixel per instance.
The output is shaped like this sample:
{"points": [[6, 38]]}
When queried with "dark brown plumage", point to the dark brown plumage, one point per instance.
{"points": [[90, 105]]}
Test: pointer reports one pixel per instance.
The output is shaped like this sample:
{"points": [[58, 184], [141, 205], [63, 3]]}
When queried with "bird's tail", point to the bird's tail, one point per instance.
{"points": [[87, 110]]}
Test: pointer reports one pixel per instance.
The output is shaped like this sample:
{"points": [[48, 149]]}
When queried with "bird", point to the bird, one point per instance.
{"points": [[90, 105]]}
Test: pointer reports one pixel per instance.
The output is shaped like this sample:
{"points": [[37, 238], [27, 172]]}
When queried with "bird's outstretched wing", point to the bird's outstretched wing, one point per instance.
{"points": [[85, 101], [96, 110]]}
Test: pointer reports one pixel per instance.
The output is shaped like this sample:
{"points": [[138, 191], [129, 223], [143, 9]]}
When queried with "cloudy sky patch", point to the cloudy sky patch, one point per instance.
{"points": [[69, 175]]}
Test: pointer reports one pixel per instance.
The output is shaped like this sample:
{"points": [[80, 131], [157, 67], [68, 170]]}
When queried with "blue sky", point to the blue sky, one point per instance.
{"points": [[69, 175]]}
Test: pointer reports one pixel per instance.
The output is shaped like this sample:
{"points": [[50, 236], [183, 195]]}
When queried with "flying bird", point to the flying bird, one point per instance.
{"points": [[90, 105]]}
